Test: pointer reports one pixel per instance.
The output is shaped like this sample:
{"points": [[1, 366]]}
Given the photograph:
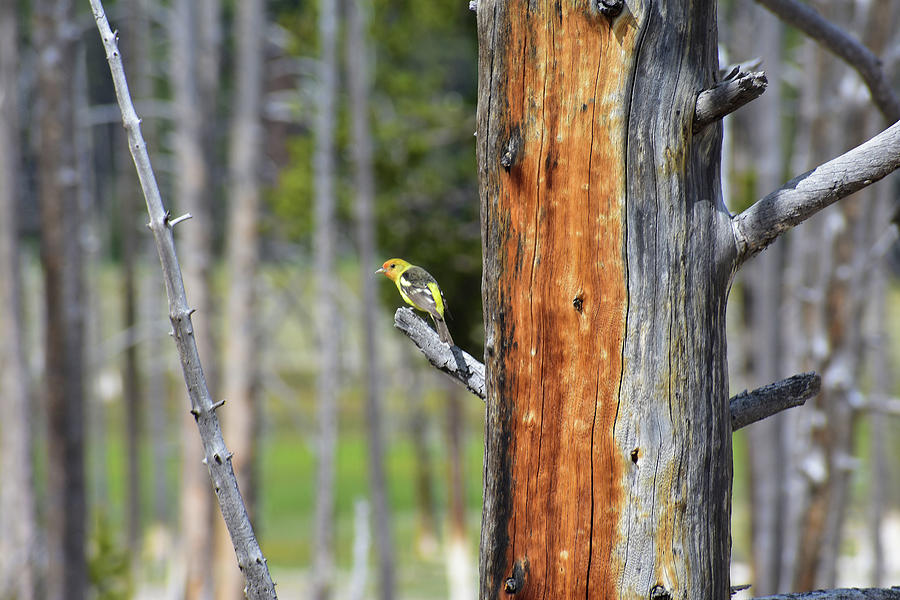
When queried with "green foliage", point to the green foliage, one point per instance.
{"points": [[109, 564]]}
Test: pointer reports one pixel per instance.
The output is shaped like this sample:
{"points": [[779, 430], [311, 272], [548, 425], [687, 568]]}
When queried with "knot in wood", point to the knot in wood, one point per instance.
{"points": [[660, 593], [578, 303], [510, 586], [610, 8]]}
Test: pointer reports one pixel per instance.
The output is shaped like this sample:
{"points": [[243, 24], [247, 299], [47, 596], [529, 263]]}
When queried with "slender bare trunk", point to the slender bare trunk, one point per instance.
{"points": [[459, 558], [61, 255], [17, 496], [190, 65], [325, 309], [240, 377], [358, 56], [763, 281]]}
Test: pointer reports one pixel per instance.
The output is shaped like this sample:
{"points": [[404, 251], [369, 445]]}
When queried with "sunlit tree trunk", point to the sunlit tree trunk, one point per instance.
{"points": [[61, 255], [358, 57], [325, 307], [17, 495], [241, 373], [608, 256], [192, 66]]}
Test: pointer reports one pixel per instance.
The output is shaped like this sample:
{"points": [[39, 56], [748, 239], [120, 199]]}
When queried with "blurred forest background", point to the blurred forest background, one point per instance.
{"points": [[309, 142]]}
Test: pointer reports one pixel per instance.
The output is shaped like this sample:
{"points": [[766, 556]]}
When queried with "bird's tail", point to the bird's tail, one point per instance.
{"points": [[442, 330]]}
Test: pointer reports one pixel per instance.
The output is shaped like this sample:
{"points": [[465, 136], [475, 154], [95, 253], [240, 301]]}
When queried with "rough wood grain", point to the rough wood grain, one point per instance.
{"points": [[727, 96], [608, 458], [750, 407]]}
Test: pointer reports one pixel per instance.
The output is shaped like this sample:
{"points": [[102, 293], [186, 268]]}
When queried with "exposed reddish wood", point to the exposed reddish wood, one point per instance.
{"points": [[562, 271]]}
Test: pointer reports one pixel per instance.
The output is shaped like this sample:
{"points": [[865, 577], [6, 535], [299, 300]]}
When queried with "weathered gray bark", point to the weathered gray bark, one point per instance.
{"points": [[325, 308], [61, 255], [217, 456], [608, 258], [760, 130], [606, 374], [727, 96], [17, 495], [241, 373], [191, 66], [358, 56]]}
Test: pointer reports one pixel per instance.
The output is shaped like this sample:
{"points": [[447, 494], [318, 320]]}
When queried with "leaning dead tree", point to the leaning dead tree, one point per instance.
{"points": [[608, 257], [250, 559]]}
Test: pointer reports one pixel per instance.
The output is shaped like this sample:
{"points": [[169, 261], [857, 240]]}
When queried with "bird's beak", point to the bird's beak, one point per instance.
{"points": [[381, 270]]}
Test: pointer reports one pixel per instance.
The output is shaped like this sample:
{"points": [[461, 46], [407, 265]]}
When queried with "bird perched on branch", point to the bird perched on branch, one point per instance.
{"points": [[419, 289]]}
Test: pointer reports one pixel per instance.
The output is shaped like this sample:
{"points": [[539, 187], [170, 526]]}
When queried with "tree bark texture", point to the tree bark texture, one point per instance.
{"points": [[240, 377], [17, 494], [61, 256], [607, 261]]}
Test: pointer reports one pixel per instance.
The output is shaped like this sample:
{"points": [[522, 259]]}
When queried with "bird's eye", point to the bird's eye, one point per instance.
{"points": [[392, 266]]}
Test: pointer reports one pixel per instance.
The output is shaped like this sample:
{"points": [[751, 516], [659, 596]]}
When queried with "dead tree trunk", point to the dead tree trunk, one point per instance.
{"points": [[325, 309], [241, 417], [608, 256], [190, 66], [358, 58], [61, 258], [607, 263], [17, 495]]}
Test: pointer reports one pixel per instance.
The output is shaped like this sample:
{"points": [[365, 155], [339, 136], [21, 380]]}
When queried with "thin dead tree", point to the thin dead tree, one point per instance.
{"points": [[241, 374], [191, 67], [217, 458], [325, 306], [18, 575], [62, 262], [357, 57]]}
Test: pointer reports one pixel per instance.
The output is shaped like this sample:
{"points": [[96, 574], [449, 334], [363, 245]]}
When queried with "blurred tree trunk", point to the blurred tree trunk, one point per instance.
{"points": [[325, 307], [878, 358], [136, 54], [194, 63], [427, 542], [759, 128], [844, 264], [241, 416], [358, 56], [61, 254], [17, 495], [459, 558]]}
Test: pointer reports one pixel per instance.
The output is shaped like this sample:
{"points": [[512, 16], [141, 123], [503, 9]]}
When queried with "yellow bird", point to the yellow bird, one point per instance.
{"points": [[420, 290]]}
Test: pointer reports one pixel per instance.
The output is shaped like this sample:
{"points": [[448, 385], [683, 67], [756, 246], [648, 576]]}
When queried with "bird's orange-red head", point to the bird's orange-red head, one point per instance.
{"points": [[393, 268]]}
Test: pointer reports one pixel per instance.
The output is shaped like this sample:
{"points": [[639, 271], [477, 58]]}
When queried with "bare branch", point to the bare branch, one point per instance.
{"points": [[750, 407], [218, 457], [805, 18], [841, 594], [727, 96], [453, 361], [807, 194]]}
